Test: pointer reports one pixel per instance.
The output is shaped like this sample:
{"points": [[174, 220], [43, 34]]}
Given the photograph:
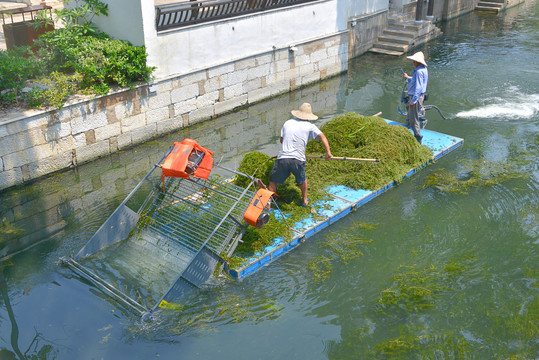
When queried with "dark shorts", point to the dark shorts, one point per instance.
{"points": [[283, 167]]}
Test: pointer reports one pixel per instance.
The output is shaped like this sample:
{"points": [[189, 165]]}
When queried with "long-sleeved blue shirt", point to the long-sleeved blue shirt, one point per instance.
{"points": [[418, 82]]}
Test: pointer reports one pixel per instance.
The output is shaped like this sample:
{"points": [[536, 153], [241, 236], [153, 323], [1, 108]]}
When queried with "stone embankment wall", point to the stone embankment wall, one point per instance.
{"points": [[48, 141], [364, 31]]}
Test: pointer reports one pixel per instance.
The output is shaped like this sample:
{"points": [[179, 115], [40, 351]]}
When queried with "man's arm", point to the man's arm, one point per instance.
{"points": [[326, 145]]}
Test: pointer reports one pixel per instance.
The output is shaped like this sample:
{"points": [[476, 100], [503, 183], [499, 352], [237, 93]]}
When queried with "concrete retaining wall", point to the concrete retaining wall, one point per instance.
{"points": [[48, 141]]}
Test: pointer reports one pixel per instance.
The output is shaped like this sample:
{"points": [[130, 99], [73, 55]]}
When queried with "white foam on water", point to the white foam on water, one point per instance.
{"points": [[514, 105]]}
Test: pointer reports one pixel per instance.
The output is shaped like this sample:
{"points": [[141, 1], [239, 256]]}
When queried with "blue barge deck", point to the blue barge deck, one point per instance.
{"points": [[344, 201]]}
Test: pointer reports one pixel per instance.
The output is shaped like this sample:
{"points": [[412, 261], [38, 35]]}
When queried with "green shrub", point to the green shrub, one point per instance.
{"points": [[16, 66], [108, 62], [100, 60], [78, 15], [95, 61]]}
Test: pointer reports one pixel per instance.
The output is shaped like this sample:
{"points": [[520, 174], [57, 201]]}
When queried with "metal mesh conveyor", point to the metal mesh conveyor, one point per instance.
{"points": [[165, 239]]}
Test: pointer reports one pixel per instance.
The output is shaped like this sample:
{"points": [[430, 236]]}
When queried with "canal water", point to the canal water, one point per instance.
{"points": [[443, 266]]}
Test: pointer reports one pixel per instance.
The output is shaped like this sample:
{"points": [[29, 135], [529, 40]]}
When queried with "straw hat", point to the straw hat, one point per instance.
{"points": [[304, 113], [419, 57]]}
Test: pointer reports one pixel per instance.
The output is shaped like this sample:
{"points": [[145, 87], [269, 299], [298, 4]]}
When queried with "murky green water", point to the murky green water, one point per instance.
{"points": [[420, 272]]}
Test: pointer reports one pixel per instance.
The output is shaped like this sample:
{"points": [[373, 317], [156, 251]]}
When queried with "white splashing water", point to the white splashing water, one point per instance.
{"points": [[514, 105]]}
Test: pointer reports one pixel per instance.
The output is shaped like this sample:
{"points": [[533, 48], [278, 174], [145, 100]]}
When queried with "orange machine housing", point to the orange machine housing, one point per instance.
{"points": [[176, 162], [253, 214]]}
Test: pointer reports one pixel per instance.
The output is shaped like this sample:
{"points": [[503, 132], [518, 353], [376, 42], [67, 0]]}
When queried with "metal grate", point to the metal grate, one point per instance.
{"points": [[203, 218], [165, 240], [195, 214]]}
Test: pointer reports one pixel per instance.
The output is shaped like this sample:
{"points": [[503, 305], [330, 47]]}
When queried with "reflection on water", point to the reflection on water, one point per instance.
{"points": [[442, 275]]}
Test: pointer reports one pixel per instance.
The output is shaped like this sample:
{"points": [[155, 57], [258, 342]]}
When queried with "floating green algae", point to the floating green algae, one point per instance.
{"points": [[445, 346], [8, 231], [356, 136], [341, 248], [320, 267], [225, 309], [473, 174], [413, 342], [415, 289], [509, 325]]}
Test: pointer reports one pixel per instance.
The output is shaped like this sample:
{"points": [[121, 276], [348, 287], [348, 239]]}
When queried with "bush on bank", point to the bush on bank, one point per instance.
{"points": [[76, 59]]}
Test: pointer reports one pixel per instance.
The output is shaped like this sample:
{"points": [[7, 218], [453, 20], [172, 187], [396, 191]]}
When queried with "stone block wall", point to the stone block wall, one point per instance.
{"points": [[49, 141], [455, 8], [364, 31]]}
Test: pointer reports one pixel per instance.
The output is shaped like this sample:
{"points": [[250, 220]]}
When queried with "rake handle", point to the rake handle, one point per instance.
{"points": [[342, 158]]}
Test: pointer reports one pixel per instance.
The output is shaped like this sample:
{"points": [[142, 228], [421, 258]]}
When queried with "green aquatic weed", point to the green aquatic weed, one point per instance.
{"points": [[255, 164], [226, 308], [344, 247], [457, 265], [517, 322], [473, 174], [355, 136], [416, 289], [320, 267], [428, 346], [341, 248], [8, 231]]}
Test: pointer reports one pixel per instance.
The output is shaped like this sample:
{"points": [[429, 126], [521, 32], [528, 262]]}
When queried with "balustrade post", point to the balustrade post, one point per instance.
{"points": [[419, 10], [430, 9]]}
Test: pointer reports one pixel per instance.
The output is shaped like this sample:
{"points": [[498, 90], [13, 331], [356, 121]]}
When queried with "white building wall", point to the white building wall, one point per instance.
{"points": [[359, 8], [205, 45], [180, 51], [124, 21]]}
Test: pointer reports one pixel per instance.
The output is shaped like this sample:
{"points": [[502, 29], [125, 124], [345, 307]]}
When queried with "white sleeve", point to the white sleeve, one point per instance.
{"points": [[315, 131]]}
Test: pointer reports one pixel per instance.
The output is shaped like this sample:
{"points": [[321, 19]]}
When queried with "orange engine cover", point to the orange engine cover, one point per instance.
{"points": [[256, 207], [176, 163]]}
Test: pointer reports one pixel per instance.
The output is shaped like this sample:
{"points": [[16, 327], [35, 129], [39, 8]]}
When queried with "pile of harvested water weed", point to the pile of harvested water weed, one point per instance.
{"points": [[350, 135], [355, 136]]}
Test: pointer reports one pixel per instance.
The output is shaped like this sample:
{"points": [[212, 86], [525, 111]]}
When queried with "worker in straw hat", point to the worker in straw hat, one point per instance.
{"points": [[295, 134], [417, 86]]}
